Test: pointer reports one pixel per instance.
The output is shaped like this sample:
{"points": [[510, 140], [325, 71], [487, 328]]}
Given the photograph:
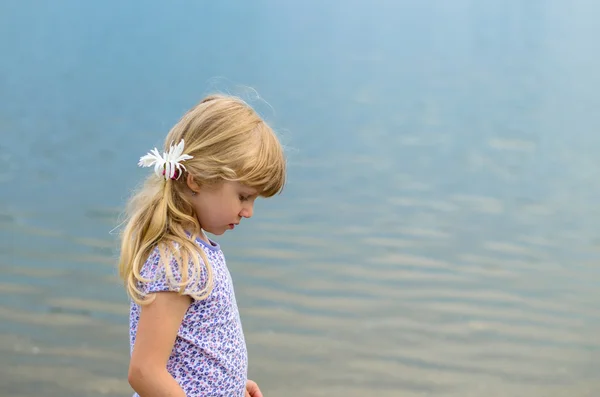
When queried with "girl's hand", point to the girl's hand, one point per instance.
{"points": [[252, 389]]}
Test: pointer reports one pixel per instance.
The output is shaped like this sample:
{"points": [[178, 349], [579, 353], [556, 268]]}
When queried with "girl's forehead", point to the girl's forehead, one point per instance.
{"points": [[243, 187], [248, 189]]}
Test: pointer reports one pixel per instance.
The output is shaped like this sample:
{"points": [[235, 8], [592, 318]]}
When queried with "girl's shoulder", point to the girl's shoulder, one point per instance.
{"points": [[168, 268]]}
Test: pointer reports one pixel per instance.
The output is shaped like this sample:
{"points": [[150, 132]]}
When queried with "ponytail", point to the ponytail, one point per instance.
{"points": [[155, 220]]}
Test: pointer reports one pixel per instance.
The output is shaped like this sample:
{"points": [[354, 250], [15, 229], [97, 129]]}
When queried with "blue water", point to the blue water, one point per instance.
{"points": [[438, 235]]}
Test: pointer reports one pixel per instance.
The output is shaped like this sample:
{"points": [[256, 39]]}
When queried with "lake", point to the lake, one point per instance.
{"points": [[438, 234]]}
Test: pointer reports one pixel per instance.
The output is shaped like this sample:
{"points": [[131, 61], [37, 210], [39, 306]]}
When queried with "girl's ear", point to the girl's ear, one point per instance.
{"points": [[189, 179]]}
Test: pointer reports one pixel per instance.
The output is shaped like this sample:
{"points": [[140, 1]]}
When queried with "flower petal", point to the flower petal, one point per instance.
{"points": [[146, 161], [149, 159], [184, 157], [158, 168], [176, 152], [167, 170]]}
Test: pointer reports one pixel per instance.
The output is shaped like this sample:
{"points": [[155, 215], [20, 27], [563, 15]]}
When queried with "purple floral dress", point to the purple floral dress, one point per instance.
{"points": [[209, 357]]}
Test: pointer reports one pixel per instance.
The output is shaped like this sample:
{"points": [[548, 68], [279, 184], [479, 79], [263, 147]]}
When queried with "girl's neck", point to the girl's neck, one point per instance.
{"points": [[204, 237]]}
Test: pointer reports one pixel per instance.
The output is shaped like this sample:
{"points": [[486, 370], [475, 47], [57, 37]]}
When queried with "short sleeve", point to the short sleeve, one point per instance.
{"points": [[159, 279]]}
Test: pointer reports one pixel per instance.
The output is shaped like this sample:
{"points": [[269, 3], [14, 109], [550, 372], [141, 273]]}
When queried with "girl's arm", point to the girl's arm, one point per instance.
{"points": [[156, 333]]}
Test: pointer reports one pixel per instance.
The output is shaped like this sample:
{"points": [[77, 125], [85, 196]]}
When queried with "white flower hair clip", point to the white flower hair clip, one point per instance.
{"points": [[168, 165]]}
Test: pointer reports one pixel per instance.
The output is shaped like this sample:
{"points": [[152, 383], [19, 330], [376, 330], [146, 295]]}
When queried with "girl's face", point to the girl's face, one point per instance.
{"points": [[222, 207]]}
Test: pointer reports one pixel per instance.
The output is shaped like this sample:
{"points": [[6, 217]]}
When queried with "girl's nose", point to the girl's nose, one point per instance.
{"points": [[247, 212]]}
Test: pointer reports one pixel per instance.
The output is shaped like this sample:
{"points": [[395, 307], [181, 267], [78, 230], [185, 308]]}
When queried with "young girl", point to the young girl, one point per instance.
{"points": [[185, 331]]}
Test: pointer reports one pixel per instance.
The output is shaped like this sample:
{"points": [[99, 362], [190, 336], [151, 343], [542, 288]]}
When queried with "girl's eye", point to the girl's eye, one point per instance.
{"points": [[243, 198]]}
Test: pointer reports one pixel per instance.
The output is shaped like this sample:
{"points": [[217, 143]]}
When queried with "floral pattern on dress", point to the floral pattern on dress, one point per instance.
{"points": [[209, 357]]}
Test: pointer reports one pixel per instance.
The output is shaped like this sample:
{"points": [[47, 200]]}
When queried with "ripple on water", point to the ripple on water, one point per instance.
{"points": [[391, 305]]}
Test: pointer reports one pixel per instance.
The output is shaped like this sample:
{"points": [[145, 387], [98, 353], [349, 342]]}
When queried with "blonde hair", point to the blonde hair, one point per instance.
{"points": [[229, 141]]}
